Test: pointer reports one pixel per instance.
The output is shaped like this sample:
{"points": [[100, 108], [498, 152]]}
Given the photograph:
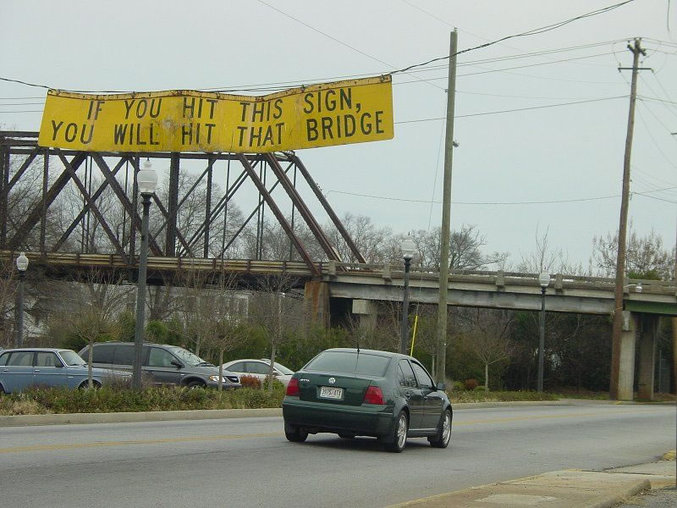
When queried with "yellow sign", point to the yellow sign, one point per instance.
{"points": [[327, 114]]}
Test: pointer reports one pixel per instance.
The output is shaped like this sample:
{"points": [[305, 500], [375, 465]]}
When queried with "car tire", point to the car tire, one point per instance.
{"points": [[85, 385], [397, 440], [443, 436], [195, 384], [294, 433]]}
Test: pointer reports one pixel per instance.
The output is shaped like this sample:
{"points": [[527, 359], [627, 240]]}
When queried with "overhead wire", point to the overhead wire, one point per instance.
{"points": [[497, 203], [515, 110], [531, 32], [528, 33]]}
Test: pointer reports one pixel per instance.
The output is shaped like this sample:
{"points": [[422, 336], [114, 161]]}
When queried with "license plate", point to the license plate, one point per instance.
{"points": [[329, 392]]}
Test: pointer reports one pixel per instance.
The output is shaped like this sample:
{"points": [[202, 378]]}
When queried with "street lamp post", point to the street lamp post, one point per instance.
{"points": [[146, 180], [408, 251], [543, 281], [22, 266]]}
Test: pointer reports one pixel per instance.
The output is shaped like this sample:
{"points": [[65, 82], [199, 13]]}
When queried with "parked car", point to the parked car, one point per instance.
{"points": [[363, 392], [259, 369], [162, 364], [24, 367]]}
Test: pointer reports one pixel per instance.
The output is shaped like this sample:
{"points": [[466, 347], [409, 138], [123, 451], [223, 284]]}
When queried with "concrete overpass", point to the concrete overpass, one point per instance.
{"points": [[364, 284], [644, 301]]}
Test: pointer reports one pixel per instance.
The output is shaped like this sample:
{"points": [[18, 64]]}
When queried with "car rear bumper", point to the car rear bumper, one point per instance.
{"points": [[366, 420]]}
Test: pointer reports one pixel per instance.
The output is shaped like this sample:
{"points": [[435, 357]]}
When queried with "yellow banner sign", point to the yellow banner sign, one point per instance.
{"points": [[326, 114]]}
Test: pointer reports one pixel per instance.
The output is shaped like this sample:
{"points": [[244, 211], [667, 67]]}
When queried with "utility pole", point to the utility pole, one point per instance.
{"points": [[440, 374], [617, 328], [674, 326]]}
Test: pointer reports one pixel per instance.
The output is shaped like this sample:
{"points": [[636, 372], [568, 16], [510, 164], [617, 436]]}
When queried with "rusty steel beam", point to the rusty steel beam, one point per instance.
{"points": [[92, 205], [263, 192], [327, 208], [173, 206], [266, 172], [122, 195], [302, 208], [36, 213]]}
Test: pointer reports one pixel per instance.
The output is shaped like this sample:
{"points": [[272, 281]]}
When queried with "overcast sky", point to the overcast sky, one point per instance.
{"points": [[540, 120]]}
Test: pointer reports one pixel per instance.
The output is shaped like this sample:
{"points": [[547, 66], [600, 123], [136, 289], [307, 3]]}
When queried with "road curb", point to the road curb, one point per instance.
{"points": [[557, 489], [147, 416], [199, 414], [208, 414]]}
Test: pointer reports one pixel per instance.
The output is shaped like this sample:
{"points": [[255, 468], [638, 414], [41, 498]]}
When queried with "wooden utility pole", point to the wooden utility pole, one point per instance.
{"points": [[674, 329], [617, 328], [441, 355]]}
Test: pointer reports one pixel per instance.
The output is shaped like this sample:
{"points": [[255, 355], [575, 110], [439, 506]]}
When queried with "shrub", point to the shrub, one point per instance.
{"points": [[250, 382], [470, 384], [481, 388], [457, 386]]}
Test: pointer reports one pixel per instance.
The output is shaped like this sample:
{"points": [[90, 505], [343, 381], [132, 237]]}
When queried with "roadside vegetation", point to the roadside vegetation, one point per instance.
{"points": [[110, 399]]}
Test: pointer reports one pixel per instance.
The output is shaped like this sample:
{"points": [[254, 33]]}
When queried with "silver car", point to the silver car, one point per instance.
{"points": [[161, 364], [51, 367], [259, 369]]}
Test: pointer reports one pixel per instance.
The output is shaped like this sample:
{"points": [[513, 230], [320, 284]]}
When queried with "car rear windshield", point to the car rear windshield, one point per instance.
{"points": [[349, 362]]}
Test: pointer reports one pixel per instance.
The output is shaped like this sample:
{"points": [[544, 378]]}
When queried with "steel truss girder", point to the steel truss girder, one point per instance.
{"points": [[19, 152]]}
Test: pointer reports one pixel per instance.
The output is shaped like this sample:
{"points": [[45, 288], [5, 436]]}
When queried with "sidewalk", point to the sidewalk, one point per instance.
{"points": [[559, 489]]}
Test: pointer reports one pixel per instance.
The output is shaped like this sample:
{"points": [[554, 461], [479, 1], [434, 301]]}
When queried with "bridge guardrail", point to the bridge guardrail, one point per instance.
{"points": [[384, 271]]}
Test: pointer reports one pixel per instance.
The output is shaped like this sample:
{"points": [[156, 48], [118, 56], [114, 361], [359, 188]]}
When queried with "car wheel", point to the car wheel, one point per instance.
{"points": [[195, 384], [294, 433], [398, 437], [346, 435], [443, 436], [85, 385]]}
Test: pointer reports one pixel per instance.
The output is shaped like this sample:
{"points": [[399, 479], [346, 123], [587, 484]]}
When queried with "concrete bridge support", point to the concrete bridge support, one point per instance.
{"points": [[316, 299], [367, 312], [647, 356], [643, 327], [626, 372]]}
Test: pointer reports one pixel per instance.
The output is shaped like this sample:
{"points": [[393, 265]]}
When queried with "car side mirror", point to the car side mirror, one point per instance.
{"points": [[177, 364], [441, 387]]}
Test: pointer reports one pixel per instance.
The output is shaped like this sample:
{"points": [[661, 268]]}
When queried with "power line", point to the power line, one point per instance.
{"points": [[535, 31], [504, 203], [516, 110]]}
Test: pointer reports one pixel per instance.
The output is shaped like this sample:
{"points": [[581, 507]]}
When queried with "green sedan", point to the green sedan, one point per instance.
{"points": [[363, 392]]}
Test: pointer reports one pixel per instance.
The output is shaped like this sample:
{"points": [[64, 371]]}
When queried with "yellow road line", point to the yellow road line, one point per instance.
{"points": [[541, 417], [101, 444]]}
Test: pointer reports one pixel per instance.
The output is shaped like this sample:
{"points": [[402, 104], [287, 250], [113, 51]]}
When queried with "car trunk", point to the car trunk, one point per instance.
{"points": [[340, 389]]}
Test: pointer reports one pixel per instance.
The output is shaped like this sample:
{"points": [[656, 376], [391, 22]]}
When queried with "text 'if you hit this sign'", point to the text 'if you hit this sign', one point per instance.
{"points": [[327, 114]]}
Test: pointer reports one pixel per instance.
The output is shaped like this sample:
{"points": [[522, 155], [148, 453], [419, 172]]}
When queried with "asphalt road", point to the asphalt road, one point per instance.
{"points": [[248, 462]]}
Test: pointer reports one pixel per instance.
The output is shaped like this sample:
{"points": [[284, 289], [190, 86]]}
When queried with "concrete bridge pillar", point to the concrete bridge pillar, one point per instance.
{"points": [[626, 372], [316, 299], [647, 356], [367, 312]]}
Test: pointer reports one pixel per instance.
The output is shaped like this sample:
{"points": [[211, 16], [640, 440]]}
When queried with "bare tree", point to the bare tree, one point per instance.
{"points": [[646, 256], [277, 311], [367, 237], [488, 338], [89, 311], [465, 250]]}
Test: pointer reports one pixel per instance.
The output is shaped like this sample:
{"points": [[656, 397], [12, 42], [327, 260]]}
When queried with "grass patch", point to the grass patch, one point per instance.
{"points": [[484, 396], [111, 400]]}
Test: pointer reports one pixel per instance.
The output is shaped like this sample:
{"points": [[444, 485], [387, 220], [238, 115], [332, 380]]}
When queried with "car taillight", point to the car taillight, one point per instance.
{"points": [[374, 395], [293, 387]]}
